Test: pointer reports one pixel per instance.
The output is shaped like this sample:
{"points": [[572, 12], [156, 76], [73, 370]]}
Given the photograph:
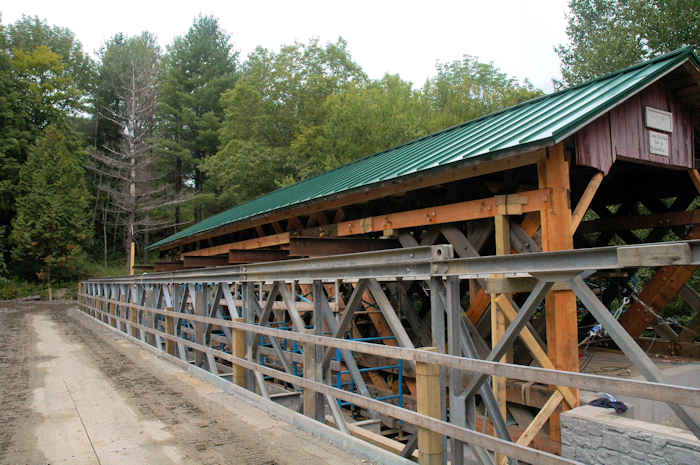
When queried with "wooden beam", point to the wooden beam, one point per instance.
{"points": [[538, 422], [498, 323], [373, 438], [200, 262], [441, 175], [252, 256], [585, 201], [626, 223], [561, 318], [428, 403], [168, 266], [317, 247], [538, 353], [663, 287], [695, 177], [522, 202]]}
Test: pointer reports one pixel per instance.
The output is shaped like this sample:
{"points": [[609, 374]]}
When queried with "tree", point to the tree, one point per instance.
{"points": [[38, 68], [606, 35], [466, 89], [364, 119], [127, 165], [276, 96], [197, 68], [53, 223]]}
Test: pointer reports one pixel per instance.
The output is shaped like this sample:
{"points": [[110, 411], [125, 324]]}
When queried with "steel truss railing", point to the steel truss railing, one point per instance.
{"points": [[249, 293]]}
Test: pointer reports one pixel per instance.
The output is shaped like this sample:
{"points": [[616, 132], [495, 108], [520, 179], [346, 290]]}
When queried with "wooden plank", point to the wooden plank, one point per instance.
{"points": [[168, 266], [528, 201], [538, 422], [560, 306], [201, 262], [322, 246], [428, 403], [438, 176], [236, 256], [626, 223], [373, 438], [585, 201]]}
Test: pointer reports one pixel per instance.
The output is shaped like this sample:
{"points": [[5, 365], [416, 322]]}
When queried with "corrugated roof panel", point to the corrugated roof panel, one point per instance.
{"points": [[540, 121]]}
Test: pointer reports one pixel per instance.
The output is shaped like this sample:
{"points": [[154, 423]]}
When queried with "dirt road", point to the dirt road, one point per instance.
{"points": [[73, 393]]}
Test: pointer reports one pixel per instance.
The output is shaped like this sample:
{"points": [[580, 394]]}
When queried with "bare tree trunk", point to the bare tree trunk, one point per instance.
{"points": [[104, 230]]}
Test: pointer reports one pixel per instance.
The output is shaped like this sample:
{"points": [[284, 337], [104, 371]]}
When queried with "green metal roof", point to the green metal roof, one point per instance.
{"points": [[541, 121]]}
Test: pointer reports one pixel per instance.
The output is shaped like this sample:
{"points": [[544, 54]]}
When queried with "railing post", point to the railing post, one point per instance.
{"points": [[428, 402], [238, 350], [134, 313], [170, 329], [313, 406]]}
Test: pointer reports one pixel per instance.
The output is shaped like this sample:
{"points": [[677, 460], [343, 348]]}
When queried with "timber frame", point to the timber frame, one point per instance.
{"points": [[179, 313], [515, 211]]}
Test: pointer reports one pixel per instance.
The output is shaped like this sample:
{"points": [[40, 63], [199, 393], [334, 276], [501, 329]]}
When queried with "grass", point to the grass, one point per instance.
{"points": [[12, 288]]}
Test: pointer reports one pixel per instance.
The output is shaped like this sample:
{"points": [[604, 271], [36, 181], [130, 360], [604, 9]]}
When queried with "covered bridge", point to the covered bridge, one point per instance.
{"points": [[610, 161]]}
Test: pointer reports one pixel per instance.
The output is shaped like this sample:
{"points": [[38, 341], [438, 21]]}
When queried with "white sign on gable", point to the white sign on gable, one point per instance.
{"points": [[658, 143], [659, 119]]}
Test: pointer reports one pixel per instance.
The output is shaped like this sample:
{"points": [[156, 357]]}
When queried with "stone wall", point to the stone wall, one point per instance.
{"points": [[598, 436]]}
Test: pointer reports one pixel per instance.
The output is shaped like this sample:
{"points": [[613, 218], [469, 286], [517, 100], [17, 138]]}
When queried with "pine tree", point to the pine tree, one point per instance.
{"points": [[53, 223], [198, 67]]}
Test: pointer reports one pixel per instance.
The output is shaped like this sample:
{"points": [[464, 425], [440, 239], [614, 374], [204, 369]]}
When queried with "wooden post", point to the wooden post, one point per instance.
{"points": [[134, 317], [562, 330], [313, 406], [428, 403], [238, 350], [131, 258], [200, 304], [498, 322], [170, 329]]}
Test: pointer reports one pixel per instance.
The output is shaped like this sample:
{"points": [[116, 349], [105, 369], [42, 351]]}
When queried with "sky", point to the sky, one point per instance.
{"points": [[384, 36]]}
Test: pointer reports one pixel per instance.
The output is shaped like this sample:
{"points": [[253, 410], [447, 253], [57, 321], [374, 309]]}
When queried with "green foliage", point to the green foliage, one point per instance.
{"points": [[607, 35], [53, 223], [466, 89], [276, 96], [43, 79], [308, 109], [364, 119], [14, 288], [197, 68]]}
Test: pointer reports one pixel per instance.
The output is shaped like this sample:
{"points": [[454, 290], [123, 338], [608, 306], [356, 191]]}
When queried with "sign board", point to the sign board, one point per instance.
{"points": [[659, 143], [659, 119]]}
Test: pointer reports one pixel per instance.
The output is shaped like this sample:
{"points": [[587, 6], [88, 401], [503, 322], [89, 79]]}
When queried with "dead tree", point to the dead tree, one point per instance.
{"points": [[131, 179]]}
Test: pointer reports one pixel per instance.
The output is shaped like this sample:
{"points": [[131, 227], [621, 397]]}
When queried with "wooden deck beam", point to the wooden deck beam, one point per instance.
{"points": [[321, 246], [522, 202], [237, 256], [626, 223], [201, 262]]}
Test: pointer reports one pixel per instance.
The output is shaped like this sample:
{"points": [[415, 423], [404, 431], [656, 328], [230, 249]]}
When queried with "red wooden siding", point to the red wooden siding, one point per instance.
{"points": [[622, 133]]}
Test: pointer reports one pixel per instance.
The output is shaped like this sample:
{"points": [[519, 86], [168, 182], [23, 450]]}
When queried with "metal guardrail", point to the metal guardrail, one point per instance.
{"points": [[131, 305]]}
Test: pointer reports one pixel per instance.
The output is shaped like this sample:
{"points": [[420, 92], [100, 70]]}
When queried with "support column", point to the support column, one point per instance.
{"points": [[499, 323], [238, 350], [170, 329], [199, 303], [428, 403], [562, 329]]}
